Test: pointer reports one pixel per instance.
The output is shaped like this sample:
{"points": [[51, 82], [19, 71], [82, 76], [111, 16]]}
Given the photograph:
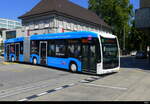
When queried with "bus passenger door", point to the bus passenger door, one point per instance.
{"points": [[92, 58], [43, 52], [89, 58], [17, 51], [7, 52], [85, 58]]}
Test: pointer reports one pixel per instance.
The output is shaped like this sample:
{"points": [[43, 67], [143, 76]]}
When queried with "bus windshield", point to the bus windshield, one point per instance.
{"points": [[110, 53]]}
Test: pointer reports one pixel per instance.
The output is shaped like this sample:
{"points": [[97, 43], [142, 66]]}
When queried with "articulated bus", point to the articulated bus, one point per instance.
{"points": [[87, 52]]}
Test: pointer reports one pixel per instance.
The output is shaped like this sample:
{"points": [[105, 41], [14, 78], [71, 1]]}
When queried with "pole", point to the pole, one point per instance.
{"points": [[124, 39]]}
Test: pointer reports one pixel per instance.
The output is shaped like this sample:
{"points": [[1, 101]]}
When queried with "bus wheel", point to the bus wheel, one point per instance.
{"points": [[34, 61], [73, 67], [12, 59]]}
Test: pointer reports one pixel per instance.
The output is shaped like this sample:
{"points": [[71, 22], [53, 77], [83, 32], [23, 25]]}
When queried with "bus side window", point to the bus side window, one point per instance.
{"points": [[71, 50], [74, 48], [35, 47], [61, 48], [12, 49], [21, 48], [51, 48]]}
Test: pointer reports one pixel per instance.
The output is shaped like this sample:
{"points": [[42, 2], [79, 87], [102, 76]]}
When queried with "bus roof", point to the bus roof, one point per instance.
{"points": [[66, 35], [14, 40], [69, 35]]}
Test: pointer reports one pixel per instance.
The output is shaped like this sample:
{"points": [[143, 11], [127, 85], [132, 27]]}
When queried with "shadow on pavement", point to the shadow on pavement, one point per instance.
{"points": [[132, 62]]}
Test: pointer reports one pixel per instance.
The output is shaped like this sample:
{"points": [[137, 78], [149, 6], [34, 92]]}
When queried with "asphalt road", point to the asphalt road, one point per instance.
{"points": [[23, 82]]}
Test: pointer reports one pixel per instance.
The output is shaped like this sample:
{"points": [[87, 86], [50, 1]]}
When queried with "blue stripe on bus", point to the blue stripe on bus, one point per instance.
{"points": [[62, 62], [67, 35], [21, 58], [58, 62], [5, 57], [14, 40]]}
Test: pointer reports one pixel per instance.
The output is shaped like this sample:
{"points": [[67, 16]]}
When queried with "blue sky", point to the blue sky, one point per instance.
{"points": [[12, 9]]}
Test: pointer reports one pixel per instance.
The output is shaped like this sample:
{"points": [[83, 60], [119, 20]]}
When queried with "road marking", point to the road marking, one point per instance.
{"points": [[23, 100], [29, 66], [72, 84], [84, 81], [89, 80], [50, 91], [8, 63], [5, 63], [47, 92], [41, 94], [15, 70], [105, 86], [58, 88], [32, 97]]}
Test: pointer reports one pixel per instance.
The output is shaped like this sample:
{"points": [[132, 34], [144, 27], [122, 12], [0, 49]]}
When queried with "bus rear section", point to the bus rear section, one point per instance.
{"points": [[14, 50]]}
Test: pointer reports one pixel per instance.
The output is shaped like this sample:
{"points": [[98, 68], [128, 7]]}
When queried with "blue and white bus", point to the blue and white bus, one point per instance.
{"points": [[87, 52]]}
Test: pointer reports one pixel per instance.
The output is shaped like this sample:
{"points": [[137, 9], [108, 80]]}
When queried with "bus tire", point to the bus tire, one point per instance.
{"points": [[12, 59], [34, 61], [73, 67]]}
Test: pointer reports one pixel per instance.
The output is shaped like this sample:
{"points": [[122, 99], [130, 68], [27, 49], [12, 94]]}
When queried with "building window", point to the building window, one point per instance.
{"points": [[10, 34]]}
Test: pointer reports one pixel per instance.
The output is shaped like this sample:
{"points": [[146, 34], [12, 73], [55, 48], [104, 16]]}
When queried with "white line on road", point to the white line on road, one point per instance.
{"points": [[23, 100], [44, 93], [72, 84], [58, 88], [112, 87]]}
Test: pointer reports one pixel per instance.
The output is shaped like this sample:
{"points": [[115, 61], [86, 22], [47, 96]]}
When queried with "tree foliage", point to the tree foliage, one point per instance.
{"points": [[116, 13], [137, 39]]}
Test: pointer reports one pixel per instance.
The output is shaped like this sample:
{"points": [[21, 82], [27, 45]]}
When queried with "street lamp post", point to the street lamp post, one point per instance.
{"points": [[124, 39]]}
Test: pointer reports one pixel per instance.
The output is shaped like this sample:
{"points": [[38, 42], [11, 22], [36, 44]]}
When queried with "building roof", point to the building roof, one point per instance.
{"points": [[64, 7]]}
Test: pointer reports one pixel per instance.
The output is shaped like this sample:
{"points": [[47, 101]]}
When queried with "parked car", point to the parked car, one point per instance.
{"points": [[133, 53], [141, 55], [125, 52]]}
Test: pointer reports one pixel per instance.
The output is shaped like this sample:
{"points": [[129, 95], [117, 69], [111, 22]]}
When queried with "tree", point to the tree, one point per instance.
{"points": [[116, 13], [137, 39]]}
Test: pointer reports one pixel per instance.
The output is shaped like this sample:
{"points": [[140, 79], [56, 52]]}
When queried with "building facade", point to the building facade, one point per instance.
{"points": [[142, 18], [144, 3], [9, 24], [55, 16]]}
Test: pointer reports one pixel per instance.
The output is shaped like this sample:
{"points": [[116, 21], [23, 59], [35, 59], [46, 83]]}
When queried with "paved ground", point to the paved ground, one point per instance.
{"points": [[22, 82]]}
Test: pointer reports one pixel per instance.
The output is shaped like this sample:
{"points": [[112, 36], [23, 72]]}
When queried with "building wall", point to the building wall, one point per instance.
{"points": [[142, 18], [144, 3], [57, 24]]}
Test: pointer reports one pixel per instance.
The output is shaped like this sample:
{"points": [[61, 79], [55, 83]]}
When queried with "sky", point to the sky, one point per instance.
{"points": [[12, 9]]}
